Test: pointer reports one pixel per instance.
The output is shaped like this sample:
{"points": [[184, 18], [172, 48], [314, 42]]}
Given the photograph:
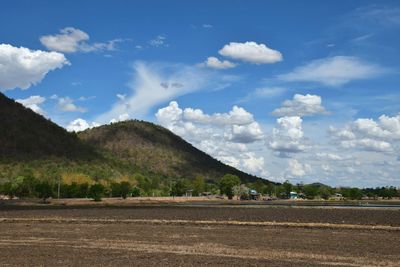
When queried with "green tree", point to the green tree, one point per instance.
{"points": [[324, 192], [83, 190], [179, 188], [44, 190], [311, 191], [9, 190], [240, 190], [226, 184], [96, 192], [115, 189], [287, 188], [198, 185], [125, 189], [24, 186]]}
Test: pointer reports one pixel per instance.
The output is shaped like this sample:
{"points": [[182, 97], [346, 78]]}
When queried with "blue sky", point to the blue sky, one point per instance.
{"points": [[305, 91]]}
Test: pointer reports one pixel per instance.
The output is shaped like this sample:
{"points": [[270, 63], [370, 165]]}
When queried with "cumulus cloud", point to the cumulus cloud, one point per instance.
{"points": [[215, 63], [122, 117], [222, 135], [245, 133], [21, 67], [251, 52], [288, 136], [33, 102], [237, 115], [301, 105], [157, 83], [79, 125], [71, 40], [368, 134], [295, 168], [334, 71]]}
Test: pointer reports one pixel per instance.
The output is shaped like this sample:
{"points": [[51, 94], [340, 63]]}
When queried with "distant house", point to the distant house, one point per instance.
{"points": [[293, 195], [337, 196], [189, 193]]}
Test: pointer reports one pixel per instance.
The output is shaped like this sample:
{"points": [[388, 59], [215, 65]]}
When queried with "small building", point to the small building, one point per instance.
{"points": [[189, 193], [293, 195]]}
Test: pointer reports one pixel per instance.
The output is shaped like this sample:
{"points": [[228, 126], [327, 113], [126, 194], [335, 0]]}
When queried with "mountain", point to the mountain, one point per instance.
{"points": [[28, 141], [153, 148], [25, 134]]}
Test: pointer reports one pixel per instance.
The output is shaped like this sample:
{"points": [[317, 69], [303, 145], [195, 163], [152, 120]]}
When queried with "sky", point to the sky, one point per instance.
{"points": [[305, 91]]}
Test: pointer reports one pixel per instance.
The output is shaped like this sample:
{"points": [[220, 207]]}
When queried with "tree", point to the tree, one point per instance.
{"points": [[44, 190], [115, 189], [226, 184], [9, 190], [239, 190], [324, 192], [96, 192], [310, 190], [179, 188], [198, 185], [83, 190], [125, 188], [287, 187]]}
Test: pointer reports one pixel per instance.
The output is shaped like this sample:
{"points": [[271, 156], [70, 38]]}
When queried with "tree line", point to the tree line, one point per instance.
{"points": [[26, 185]]}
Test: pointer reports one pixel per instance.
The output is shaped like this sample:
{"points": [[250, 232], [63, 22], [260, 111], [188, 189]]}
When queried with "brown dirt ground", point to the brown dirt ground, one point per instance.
{"points": [[63, 237]]}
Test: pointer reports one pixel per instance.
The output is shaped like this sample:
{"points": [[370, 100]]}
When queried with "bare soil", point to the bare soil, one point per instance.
{"points": [[197, 236]]}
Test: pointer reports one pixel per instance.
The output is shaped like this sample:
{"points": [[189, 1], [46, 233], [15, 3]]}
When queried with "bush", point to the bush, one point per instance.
{"points": [[125, 188], [96, 192], [44, 190], [136, 192]]}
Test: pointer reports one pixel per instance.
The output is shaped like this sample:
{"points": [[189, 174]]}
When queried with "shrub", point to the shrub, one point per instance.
{"points": [[96, 192]]}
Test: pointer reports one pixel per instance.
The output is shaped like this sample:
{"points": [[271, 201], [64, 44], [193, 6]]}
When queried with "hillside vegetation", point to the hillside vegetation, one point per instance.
{"points": [[152, 148], [25, 134], [149, 157]]}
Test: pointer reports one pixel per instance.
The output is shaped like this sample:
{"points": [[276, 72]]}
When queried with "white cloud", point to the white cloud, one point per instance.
{"points": [[122, 117], [295, 168], [156, 83], [215, 63], [33, 102], [288, 135], [67, 104], [160, 40], [80, 125], [222, 135], [22, 67], [331, 156], [237, 115], [301, 105], [251, 52], [71, 40], [207, 26], [368, 134], [264, 92], [121, 96], [334, 71], [245, 133]]}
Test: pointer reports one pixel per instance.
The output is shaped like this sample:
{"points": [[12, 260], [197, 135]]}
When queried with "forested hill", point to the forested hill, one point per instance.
{"points": [[153, 148], [29, 140], [27, 135]]}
